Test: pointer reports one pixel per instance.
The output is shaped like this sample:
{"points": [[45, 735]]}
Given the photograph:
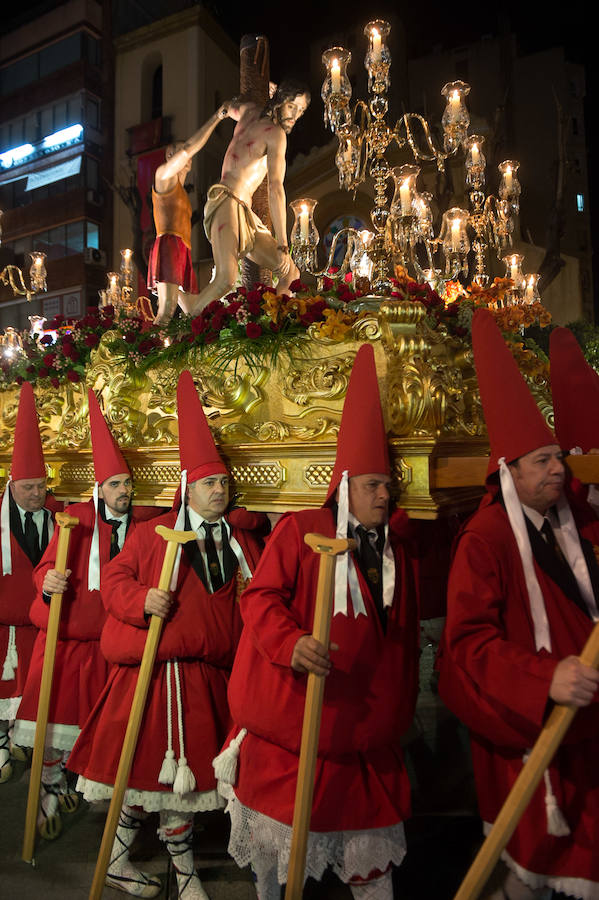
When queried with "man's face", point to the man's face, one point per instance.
{"points": [[290, 111], [29, 493], [369, 499], [116, 493], [209, 496], [539, 477]]}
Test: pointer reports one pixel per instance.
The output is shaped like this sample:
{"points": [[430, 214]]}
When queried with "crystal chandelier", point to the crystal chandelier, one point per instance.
{"points": [[403, 226]]}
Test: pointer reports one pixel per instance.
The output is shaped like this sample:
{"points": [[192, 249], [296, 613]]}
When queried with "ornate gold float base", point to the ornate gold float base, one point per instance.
{"points": [[277, 425]]}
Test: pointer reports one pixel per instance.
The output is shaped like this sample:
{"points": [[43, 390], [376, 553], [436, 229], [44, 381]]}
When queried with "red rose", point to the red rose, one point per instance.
{"points": [[43, 372], [129, 337], [254, 308], [92, 340], [274, 327], [108, 311], [254, 297], [145, 347], [328, 283], [332, 270], [55, 382], [30, 370], [73, 376], [19, 379], [253, 330], [217, 321], [297, 285], [47, 339], [233, 307], [199, 325], [49, 359]]}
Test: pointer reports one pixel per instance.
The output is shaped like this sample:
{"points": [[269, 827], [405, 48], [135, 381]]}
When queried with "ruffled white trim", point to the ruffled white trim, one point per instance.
{"points": [[266, 843], [9, 707], [62, 737], [152, 801], [581, 888]]}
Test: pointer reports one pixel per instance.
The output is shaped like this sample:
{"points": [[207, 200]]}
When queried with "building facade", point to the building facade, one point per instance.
{"points": [[56, 156]]}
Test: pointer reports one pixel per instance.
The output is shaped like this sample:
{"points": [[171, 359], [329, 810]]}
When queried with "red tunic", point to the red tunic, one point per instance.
{"points": [[80, 670], [16, 595], [201, 632], [361, 781], [498, 684]]}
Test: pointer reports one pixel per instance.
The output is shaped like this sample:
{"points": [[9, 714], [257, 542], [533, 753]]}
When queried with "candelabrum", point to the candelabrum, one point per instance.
{"points": [[119, 291], [11, 345], [403, 229], [13, 276]]}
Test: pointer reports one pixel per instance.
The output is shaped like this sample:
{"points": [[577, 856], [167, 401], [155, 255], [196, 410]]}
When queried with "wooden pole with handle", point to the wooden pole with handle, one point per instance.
{"points": [[66, 523], [523, 788], [173, 540], [328, 548]]}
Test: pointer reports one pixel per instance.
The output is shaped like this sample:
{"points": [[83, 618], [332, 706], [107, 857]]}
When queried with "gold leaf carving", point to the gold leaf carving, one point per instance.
{"points": [[322, 380]]}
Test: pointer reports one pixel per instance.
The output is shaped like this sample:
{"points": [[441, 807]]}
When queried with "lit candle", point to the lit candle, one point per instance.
{"points": [[475, 155], [514, 270], [454, 103], [508, 179], [404, 196], [376, 45], [304, 222], [336, 77], [455, 234]]}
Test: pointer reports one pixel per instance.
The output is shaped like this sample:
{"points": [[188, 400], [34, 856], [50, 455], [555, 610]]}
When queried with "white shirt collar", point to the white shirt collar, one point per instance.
{"points": [[196, 520], [537, 519]]}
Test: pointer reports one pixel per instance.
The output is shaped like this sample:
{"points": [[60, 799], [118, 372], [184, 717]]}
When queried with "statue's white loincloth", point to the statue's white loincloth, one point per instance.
{"points": [[248, 223]]}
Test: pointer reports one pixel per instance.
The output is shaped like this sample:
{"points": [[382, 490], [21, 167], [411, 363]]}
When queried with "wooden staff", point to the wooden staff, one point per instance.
{"points": [[173, 540], [524, 787], [328, 548], [65, 523]]}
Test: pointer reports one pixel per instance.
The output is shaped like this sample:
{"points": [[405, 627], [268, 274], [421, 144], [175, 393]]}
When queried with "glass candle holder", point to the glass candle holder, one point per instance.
{"points": [[424, 215], [531, 289], [304, 235], [12, 344], [377, 61], [37, 272], [509, 186], [475, 161], [455, 119], [113, 291], [360, 262], [336, 88], [126, 267], [513, 270], [347, 158], [403, 203], [455, 240]]}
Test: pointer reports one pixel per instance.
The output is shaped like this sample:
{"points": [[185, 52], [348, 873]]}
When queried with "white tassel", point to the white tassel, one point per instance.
{"points": [[225, 764], [556, 822], [185, 781], [168, 770], [11, 659]]}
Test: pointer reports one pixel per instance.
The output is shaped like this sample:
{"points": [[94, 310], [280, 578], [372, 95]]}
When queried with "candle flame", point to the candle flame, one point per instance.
{"points": [[455, 97], [374, 33], [508, 170]]}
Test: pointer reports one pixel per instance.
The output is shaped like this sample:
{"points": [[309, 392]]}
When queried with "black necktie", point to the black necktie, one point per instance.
{"points": [[32, 539], [547, 532], [371, 565], [114, 537], [216, 575]]}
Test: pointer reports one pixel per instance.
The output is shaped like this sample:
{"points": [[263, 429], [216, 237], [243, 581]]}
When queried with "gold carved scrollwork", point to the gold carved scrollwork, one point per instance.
{"points": [[430, 383], [9, 418], [272, 432], [312, 380], [367, 329]]}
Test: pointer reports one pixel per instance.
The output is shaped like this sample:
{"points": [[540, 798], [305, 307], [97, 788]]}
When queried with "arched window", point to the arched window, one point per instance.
{"points": [[157, 93]]}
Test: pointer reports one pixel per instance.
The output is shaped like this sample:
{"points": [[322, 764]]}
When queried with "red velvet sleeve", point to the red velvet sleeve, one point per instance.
{"points": [[266, 608], [498, 686], [127, 578]]}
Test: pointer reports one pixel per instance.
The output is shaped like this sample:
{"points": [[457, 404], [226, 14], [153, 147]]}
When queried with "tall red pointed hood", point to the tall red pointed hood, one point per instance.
{"points": [[197, 450], [362, 443], [108, 459], [27, 454], [514, 421], [575, 390]]}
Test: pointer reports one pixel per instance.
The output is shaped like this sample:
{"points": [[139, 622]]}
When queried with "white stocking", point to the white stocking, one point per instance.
{"points": [[122, 874], [377, 889], [176, 831]]}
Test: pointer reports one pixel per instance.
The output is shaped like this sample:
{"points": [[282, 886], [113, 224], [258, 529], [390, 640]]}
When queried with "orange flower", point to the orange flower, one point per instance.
{"points": [[337, 324]]}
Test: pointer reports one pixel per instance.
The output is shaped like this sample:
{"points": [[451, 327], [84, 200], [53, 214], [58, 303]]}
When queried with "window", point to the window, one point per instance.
{"points": [[580, 202], [93, 235], [92, 112], [74, 238], [157, 93]]}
